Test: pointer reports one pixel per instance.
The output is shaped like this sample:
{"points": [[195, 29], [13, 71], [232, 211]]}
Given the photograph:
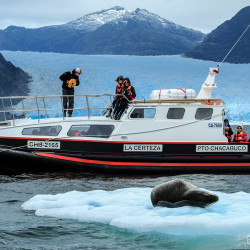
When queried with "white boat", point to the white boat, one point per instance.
{"points": [[181, 134]]}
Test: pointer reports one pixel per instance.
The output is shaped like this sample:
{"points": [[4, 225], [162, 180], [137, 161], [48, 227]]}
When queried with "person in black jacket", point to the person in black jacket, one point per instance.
{"points": [[70, 80], [129, 94], [228, 130]]}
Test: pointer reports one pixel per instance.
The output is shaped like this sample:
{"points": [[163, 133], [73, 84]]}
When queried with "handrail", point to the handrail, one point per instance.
{"points": [[52, 96], [12, 109], [202, 101]]}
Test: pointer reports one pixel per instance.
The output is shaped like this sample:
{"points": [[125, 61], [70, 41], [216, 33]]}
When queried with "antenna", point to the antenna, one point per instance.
{"points": [[234, 45]]}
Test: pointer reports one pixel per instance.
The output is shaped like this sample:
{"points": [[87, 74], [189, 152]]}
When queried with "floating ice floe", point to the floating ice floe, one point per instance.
{"points": [[131, 208]]}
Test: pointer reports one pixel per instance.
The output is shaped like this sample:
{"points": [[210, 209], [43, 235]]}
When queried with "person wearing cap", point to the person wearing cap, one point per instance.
{"points": [[228, 130], [70, 80], [118, 92], [240, 135], [129, 94]]}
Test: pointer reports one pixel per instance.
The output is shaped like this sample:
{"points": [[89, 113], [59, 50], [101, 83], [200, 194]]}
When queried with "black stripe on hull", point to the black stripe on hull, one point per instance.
{"points": [[116, 148], [16, 162]]}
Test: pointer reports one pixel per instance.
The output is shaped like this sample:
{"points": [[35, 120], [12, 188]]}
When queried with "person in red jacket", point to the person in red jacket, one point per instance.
{"points": [[129, 94], [240, 135]]}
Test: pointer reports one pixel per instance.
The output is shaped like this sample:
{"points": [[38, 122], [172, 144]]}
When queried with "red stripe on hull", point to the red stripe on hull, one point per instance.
{"points": [[111, 163]]}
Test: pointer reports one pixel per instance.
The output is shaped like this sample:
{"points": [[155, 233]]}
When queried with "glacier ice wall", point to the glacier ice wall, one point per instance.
{"points": [[146, 73]]}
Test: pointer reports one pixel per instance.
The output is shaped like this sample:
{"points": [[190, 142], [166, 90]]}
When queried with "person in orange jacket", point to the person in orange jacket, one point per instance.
{"points": [[240, 135], [129, 94], [118, 92]]}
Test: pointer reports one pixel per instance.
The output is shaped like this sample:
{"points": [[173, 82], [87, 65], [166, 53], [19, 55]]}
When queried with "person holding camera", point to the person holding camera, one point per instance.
{"points": [[70, 80]]}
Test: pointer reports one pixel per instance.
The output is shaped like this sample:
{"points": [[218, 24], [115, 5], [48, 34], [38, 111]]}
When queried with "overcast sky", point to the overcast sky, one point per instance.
{"points": [[203, 15]]}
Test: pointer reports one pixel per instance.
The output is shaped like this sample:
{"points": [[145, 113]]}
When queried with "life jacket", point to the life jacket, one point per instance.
{"points": [[119, 89], [71, 83], [131, 97], [240, 137], [129, 93], [229, 137]]}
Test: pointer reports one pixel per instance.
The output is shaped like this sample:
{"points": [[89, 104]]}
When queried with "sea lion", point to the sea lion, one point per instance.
{"points": [[178, 193]]}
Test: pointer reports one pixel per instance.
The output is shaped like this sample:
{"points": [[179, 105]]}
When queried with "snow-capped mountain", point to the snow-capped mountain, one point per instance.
{"points": [[151, 19], [91, 22], [94, 20], [140, 33]]}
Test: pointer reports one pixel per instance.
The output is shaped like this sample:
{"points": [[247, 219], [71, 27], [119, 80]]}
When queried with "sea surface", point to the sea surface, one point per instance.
{"points": [[93, 211], [87, 211]]}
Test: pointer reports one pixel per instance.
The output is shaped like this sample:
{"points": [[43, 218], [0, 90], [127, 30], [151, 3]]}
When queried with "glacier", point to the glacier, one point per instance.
{"points": [[146, 73]]}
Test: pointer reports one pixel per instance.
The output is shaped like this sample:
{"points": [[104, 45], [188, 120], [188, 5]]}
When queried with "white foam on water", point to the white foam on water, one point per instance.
{"points": [[131, 208]]}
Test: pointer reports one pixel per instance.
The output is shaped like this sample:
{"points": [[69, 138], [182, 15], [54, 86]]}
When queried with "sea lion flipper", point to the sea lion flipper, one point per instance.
{"points": [[165, 204]]}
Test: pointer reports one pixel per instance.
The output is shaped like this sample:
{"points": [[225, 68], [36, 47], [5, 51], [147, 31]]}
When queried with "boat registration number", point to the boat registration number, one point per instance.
{"points": [[142, 147], [44, 144]]}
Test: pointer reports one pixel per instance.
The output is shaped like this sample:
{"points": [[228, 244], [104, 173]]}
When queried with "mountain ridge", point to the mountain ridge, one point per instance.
{"points": [[145, 33], [13, 80], [218, 43]]}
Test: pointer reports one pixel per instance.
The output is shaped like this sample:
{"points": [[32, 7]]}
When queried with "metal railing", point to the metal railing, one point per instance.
{"points": [[187, 101], [16, 107], [36, 106]]}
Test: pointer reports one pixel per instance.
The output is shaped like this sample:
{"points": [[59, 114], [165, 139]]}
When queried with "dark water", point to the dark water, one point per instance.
{"points": [[22, 229]]}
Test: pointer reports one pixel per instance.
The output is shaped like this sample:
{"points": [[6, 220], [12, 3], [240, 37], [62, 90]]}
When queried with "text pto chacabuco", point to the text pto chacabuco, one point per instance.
{"points": [[221, 148]]}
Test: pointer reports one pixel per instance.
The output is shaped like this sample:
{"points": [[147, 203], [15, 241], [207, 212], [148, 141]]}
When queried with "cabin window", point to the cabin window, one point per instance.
{"points": [[175, 113], [203, 113], [143, 113], [103, 131], [45, 131]]}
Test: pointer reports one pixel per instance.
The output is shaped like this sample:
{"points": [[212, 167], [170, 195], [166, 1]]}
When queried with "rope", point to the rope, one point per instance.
{"points": [[234, 45]]}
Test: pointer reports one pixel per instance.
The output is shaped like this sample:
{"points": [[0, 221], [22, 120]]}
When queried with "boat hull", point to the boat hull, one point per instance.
{"points": [[16, 162], [126, 148]]}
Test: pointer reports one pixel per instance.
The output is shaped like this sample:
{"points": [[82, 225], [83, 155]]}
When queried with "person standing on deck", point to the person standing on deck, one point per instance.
{"points": [[70, 80]]}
